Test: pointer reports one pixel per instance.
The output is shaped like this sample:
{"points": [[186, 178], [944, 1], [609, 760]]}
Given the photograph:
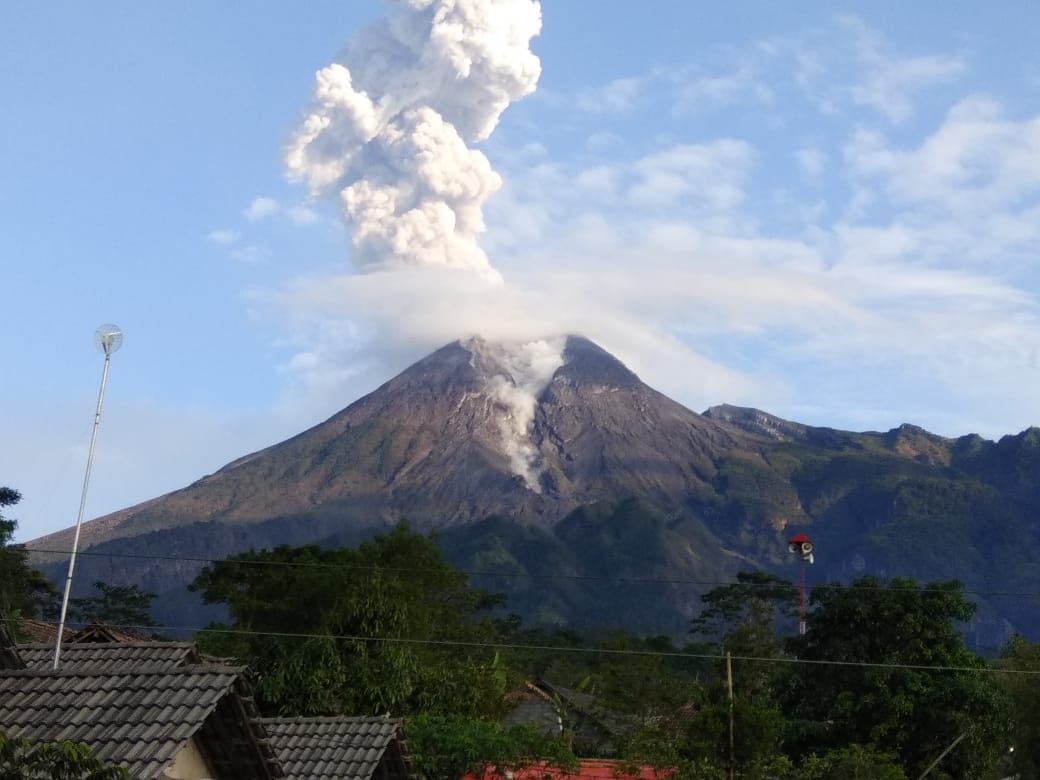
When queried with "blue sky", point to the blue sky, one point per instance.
{"points": [[827, 211]]}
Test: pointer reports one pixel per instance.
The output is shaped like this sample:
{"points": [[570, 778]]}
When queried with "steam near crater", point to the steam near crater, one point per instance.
{"points": [[521, 371]]}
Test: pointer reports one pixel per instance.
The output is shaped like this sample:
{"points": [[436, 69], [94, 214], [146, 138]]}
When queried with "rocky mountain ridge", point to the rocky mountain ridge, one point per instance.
{"points": [[552, 458]]}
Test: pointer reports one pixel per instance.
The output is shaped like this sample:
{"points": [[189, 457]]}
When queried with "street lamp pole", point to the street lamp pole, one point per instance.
{"points": [[109, 338]]}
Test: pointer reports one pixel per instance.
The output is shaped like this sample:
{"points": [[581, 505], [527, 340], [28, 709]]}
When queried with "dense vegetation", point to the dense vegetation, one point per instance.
{"points": [[881, 685], [21, 759]]}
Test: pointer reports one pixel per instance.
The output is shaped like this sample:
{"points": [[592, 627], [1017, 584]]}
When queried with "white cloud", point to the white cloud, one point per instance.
{"points": [[250, 254], [889, 272], [889, 81], [812, 161], [302, 215], [618, 97], [977, 159], [223, 237], [261, 208]]}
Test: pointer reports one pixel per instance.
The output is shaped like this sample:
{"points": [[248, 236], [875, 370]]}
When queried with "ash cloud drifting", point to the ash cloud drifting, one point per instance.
{"points": [[391, 121]]}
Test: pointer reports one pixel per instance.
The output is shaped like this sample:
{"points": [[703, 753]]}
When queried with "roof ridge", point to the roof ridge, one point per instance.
{"points": [[331, 719], [103, 669], [93, 645]]}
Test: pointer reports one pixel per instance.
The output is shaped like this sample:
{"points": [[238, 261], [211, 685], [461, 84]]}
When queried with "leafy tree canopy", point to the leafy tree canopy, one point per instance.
{"points": [[450, 746], [118, 605], [1022, 655], [22, 588], [20, 759], [357, 630], [872, 681]]}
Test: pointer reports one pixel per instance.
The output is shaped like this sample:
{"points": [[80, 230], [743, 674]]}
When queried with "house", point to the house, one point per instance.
{"points": [[564, 712], [339, 748], [9, 656], [42, 631], [160, 709], [181, 723], [165, 710], [100, 657], [588, 769]]}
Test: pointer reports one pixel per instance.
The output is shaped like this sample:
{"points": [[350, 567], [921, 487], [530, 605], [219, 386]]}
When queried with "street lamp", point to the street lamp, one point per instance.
{"points": [[108, 339]]}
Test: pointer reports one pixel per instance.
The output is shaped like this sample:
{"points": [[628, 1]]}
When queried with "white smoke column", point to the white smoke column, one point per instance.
{"points": [[526, 370], [391, 119]]}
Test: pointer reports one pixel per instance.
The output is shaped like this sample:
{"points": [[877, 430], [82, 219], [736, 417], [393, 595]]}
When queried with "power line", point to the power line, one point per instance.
{"points": [[585, 650], [534, 576]]}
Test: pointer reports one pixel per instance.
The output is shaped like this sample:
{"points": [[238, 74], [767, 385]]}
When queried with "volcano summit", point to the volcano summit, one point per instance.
{"points": [[552, 461]]}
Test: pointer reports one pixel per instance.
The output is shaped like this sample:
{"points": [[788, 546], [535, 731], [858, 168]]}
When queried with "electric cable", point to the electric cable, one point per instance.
{"points": [[534, 576], [585, 650]]}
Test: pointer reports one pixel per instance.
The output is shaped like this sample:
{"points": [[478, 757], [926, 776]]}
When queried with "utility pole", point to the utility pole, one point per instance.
{"points": [[729, 686]]}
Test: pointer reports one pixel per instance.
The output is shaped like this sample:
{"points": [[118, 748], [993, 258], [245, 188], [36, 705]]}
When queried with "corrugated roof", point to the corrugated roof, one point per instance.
{"points": [[97, 657], [337, 747]]}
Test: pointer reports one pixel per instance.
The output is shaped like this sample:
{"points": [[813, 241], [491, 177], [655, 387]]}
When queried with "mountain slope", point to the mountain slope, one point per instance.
{"points": [[552, 468], [429, 446]]}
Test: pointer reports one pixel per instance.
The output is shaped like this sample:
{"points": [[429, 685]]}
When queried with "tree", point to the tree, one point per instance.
{"points": [[452, 746], [20, 759], [850, 763], [742, 619], [885, 668], [1020, 656], [118, 605], [366, 630], [21, 586]]}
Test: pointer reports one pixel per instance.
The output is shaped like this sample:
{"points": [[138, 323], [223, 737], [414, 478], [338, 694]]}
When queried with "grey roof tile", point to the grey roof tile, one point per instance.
{"points": [[333, 748], [113, 656], [137, 716]]}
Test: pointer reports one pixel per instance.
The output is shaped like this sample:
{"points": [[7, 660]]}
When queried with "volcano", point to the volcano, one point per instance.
{"points": [[554, 464], [437, 446]]}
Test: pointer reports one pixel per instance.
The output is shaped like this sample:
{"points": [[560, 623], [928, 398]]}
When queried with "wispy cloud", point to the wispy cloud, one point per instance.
{"points": [[250, 254], [302, 215], [775, 268], [618, 96], [223, 236], [889, 81], [261, 208]]}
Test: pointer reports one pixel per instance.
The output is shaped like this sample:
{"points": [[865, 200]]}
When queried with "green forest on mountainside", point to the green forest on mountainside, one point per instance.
{"points": [[390, 626], [881, 685]]}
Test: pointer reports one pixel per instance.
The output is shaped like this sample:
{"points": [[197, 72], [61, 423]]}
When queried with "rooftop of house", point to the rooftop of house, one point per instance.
{"points": [[141, 716], [335, 748], [9, 656], [588, 769], [99, 657]]}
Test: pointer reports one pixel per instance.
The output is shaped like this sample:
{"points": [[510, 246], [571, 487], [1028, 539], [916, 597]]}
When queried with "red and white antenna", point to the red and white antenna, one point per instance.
{"points": [[801, 545]]}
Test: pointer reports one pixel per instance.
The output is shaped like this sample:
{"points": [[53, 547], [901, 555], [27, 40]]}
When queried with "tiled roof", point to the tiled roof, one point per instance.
{"points": [[588, 769], [39, 631], [141, 717], [103, 632], [97, 657], [337, 747], [9, 657]]}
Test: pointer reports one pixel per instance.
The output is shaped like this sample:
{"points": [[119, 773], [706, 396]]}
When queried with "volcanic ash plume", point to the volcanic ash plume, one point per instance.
{"points": [[390, 122], [523, 372]]}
